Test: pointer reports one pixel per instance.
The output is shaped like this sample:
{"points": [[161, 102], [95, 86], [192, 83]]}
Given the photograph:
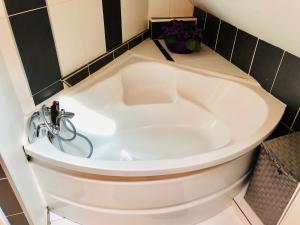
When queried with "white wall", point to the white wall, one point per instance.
{"points": [[78, 28], [274, 21], [171, 8], [134, 17], [13, 62], [11, 152]]}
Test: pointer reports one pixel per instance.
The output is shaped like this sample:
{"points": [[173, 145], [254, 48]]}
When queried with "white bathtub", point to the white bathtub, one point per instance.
{"points": [[172, 146]]}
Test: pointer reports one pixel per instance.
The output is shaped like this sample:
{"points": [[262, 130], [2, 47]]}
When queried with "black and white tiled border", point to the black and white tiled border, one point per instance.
{"points": [[103, 60], [275, 69], [34, 36]]}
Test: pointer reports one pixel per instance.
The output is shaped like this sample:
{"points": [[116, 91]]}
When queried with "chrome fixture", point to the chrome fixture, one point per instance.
{"points": [[49, 121]]}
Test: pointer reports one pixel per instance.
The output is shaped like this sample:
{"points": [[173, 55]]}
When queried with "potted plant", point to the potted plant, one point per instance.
{"points": [[181, 37]]}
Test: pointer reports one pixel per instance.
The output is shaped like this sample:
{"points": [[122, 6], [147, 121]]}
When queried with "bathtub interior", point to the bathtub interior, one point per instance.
{"points": [[153, 111]]}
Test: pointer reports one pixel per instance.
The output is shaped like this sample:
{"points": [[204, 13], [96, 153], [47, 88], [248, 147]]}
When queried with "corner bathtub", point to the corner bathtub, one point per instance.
{"points": [[171, 146]]}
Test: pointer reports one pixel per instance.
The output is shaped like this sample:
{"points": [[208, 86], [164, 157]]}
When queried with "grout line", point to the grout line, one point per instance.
{"points": [[217, 39], [31, 10], [241, 211], [294, 121], [254, 53], [204, 26], [43, 89], [16, 214], [283, 54], [233, 46]]}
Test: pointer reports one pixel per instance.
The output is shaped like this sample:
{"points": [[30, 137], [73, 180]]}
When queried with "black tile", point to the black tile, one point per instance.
{"points": [[226, 39], [200, 15], [243, 50], [163, 51], [112, 23], [19, 219], [211, 30], [95, 66], [287, 86], [78, 76], [121, 50], [134, 42], [17, 6], [265, 64], [2, 174], [8, 200], [279, 131], [48, 92], [146, 35], [35, 42], [296, 126]]}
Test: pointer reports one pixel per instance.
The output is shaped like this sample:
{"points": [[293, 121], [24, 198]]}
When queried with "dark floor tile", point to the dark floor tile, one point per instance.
{"points": [[17, 6], [8, 200], [76, 77], [98, 64], [48, 92], [289, 115], [19, 219], [243, 50], [296, 126], [279, 131], [135, 41], [200, 15], [121, 50], [287, 86], [112, 23], [226, 39], [265, 64], [35, 42], [211, 30], [2, 174]]}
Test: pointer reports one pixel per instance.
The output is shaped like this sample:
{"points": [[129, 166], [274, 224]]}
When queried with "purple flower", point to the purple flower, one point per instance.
{"points": [[182, 31]]}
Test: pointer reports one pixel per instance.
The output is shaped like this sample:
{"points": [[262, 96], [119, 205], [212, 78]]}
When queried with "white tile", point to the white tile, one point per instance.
{"points": [[134, 17], [14, 65], [159, 8], [2, 9], [93, 28], [64, 222], [54, 217], [228, 216], [181, 8], [78, 30]]}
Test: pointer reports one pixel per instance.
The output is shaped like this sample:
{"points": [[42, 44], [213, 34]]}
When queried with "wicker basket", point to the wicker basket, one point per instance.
{"points": [[275, 178]]}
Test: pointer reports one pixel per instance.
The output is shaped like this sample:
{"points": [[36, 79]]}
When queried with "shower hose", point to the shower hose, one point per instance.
{"points": [[69, 126]]}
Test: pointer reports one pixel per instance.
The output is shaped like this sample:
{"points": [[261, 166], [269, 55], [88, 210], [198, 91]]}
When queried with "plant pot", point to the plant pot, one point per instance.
{"points": [[178, 47]]}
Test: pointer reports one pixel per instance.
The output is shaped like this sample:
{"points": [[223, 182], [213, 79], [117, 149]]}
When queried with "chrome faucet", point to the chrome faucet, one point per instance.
{"points": [[63, 114], [46, 120]]}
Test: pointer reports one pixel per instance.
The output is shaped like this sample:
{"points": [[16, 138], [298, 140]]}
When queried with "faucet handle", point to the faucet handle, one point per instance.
{"points": [[55, 111]]}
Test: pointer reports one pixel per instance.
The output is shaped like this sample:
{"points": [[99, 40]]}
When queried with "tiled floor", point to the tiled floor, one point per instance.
{"points": [[230, 216]]}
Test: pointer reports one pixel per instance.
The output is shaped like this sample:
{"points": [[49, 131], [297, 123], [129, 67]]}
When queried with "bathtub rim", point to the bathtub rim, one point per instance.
{"points": [[51, 155]]}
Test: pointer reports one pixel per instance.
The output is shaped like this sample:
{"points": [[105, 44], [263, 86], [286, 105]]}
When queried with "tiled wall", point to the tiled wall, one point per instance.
{"points": [[9, 203], [69, 40], [276, 70], [171, 8]]}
